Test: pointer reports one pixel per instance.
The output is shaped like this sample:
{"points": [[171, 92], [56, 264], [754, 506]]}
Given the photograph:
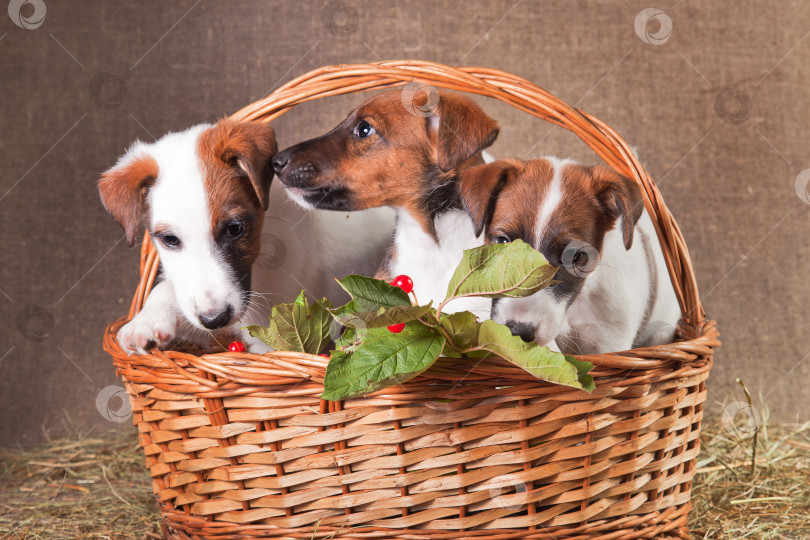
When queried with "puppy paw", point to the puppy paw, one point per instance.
{"points": [[144, 332]]}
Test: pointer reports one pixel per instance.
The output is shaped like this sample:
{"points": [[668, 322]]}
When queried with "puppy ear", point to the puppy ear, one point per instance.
{"points": [[620, 197], [248, 146], [124, 187], [479, 189], [463, 129]]}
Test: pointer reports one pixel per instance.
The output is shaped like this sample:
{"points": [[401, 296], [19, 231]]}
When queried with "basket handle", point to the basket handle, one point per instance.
{"points": [[518, 92]]}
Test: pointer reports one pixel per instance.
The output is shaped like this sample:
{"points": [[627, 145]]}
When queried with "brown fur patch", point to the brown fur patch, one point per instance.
{"points": [[621, 198], [123, 192], [406, 150], [408, 163], [578, 215], [235, 159], [481, 186], [464, 130], [593, 199]]}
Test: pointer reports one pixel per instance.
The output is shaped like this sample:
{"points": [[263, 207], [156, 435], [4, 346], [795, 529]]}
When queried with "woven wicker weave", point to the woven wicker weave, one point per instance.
{"points": [[240, 445]]}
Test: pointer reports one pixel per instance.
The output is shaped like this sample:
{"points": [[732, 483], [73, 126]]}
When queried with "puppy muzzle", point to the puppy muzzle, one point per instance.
{"points": [[214, 319]]}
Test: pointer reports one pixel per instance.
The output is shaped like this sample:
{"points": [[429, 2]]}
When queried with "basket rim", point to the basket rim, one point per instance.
{"points": [[698, 334], [659, 364]]}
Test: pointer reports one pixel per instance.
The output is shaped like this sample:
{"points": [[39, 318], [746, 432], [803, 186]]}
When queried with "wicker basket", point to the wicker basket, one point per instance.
{"points": [[240, 445]]}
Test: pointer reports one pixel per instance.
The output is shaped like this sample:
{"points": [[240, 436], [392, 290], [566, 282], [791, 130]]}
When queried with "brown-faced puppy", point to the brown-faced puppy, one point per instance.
{"points": [[613, 291], [391, 151]]}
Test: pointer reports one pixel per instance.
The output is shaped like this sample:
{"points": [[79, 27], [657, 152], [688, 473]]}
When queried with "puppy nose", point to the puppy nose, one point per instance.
{"points": [[524, 331], [215, 319], [279, 162]]}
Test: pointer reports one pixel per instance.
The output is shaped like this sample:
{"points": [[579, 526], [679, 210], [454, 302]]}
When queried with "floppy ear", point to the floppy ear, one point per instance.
{"points": [[479, 189], [123, 188], [248, 146], [620, 197], [463, 129]]}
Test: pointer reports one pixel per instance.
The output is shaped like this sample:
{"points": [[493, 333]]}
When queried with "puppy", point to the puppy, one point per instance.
{"points": [[206, 198], [407, 155], [613, 291]]}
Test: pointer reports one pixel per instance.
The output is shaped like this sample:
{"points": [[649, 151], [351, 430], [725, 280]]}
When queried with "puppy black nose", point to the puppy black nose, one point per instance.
{"points": [[279, 162], [215, 319], [524, 331]]}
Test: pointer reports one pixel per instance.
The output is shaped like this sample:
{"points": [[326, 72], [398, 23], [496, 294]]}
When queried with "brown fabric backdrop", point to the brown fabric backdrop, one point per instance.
{"points": [[718, 110]]}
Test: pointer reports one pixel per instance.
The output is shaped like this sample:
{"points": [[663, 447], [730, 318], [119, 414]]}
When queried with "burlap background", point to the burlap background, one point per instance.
{"points": [[717, 105]]}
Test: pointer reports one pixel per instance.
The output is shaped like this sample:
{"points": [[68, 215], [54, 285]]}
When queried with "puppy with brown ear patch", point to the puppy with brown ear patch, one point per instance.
{"points": [[384, 154], [206, 198], [613, 291]]}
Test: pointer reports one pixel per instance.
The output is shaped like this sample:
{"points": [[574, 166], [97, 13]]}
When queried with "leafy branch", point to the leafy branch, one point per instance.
{"points": [[387, 340]]}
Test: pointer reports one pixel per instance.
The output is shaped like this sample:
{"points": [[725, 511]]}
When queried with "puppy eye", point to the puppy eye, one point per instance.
{"points": [[235, 229], [501, 239], [363, 130], [170, 241]]}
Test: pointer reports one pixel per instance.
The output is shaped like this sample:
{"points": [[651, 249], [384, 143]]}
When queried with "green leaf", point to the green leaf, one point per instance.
{"points": [[381, 318], [500, 270], [382, 359], [297, 327], [302, 299], [348, 341], [582, 368], [539, 361], [463, 326], [370, 294]]}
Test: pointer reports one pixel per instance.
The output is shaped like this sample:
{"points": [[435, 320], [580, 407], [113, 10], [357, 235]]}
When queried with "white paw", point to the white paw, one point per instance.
{"points": [[146, 331]]}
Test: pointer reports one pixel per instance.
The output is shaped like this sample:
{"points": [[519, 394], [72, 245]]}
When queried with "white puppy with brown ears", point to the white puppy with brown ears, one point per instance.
{"points": [[613, 291], [206, 199]]}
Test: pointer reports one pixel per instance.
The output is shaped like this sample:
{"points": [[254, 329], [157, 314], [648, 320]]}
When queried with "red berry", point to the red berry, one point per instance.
{"points": [[325, 355], [236, 346], [403, 282], [396, 328]]}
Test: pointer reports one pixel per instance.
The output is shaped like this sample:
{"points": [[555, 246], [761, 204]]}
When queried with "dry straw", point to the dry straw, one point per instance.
{"points": [[240, 446]]}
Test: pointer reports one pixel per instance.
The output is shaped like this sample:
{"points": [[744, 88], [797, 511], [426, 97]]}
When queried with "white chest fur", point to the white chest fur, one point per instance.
{"points": [[431, 264]]}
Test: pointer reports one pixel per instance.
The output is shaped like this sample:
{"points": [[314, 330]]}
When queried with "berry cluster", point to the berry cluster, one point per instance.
{"points": [[406, 284]]}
